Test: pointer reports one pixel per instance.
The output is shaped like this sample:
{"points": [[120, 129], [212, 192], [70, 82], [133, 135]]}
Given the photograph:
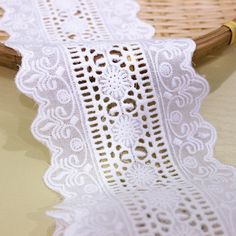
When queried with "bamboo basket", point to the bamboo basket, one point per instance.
{"points": [[201, 20]]}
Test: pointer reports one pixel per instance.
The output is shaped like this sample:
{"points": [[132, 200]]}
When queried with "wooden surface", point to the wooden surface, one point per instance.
{"points": [[186, 18], [24, 197]]}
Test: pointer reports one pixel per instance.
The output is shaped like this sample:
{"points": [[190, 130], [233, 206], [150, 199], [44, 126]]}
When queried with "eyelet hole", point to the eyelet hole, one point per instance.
{"points": [[1, 12], [4, 35]]}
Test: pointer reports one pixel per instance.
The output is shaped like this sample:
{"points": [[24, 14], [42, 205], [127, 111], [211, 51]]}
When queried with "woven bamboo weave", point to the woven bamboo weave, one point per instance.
{"points": [[201, 20], [186, 18]]}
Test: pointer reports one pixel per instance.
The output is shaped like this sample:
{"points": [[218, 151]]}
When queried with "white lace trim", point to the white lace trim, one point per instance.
{"points": [[161, 178], [73, 21]]}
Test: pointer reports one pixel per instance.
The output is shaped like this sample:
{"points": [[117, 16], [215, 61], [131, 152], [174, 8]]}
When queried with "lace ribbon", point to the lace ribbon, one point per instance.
{"points": [[131, 155]]}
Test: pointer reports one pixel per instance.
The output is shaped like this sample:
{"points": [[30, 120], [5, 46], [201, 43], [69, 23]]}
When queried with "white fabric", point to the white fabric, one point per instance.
{"points": [[131, 155]]}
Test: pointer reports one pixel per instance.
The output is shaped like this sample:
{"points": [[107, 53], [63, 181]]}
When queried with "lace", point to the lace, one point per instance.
{"points": [[131, 155]]}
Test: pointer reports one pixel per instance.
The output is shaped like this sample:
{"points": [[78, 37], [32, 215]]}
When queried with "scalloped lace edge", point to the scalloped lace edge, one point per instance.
{"points": [[41, 104]]}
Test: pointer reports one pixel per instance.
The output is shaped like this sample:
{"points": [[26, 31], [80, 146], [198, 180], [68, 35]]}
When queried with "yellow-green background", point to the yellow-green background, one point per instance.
{"points": [[23, 196]]}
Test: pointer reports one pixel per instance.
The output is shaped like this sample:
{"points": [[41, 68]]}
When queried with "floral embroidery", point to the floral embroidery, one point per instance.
{"points": [[133, 30], [185, 230], [75, 26], [176, 117], [115, 82], [141, 175], [18, 18], [90, 215], [63, 5], [76, 144], [190, 162], [63, 96], [126, 130], [165, 69], [162, 198]]}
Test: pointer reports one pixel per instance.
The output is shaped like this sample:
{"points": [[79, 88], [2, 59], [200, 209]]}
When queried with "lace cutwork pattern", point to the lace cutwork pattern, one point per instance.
{"points": [[131, 154], [73, 21], [78, 20]]}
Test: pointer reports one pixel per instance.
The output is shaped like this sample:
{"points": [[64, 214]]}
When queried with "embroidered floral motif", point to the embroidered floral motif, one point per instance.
{"points": [[185, 230], [88, 216], [75, 26], [176, 117], [126, 130], [162, 198], [132, 29], [115, 82], [63, 5], [165, 69], [141, 175], [18, 18], [190, 162], [76, 144], [63, 96]]}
